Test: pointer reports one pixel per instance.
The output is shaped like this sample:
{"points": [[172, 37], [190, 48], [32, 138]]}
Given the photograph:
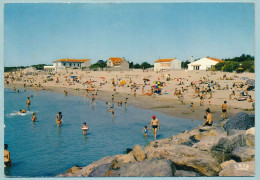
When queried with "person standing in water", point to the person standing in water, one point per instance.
{"points": [[112, 110], [28, 102], [145, 130], [34, 117], [84, 128], [93, 98], [7, 159], [155, 124], [59, 119]]}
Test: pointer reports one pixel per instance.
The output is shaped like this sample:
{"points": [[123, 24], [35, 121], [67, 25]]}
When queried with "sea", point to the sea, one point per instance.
{"points": [[42, 149]]}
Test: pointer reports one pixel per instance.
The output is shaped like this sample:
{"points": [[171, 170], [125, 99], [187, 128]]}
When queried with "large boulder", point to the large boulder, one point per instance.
{"points": [[220, 147], [138, 153], [250, 137], [242, 154], [121, 160], [148, 168], [187, 158], [182, 173], [227, 163], [74, 169], [241, 121], [99, 171], [239, 169]]}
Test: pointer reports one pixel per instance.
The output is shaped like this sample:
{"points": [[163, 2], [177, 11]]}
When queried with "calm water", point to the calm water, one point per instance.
{"points": [[43, 149]]}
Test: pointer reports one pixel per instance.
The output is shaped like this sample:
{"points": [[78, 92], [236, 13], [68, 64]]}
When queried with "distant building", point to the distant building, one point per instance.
{"points": [[167, 64], [117, 63], [62, 64], [205, 63]]}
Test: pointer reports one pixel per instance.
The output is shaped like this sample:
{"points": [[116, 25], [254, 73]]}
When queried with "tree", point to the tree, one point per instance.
{"points": [[247, 65], [219, 66], [184, 64], [137, 66], [230, 66], [145, 65]]}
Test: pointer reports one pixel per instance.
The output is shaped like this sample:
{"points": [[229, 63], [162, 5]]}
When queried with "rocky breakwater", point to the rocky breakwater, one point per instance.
{"points": [[204, 151]]}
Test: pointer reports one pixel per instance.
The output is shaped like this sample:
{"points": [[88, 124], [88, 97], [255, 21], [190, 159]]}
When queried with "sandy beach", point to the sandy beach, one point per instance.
{"points": [[100, 82]]}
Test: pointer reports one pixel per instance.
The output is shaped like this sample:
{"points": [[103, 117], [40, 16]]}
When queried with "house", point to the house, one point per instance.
{"points": [[117, 63], [167, 64], [205, 63], [62, 64]]}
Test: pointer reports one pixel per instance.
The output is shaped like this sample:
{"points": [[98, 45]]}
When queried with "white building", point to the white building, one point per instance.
{"points": [[62, 64], [117, 63], [205, 63], [167, 64]]}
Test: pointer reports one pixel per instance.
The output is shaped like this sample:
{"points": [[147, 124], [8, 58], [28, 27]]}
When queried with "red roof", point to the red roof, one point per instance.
{"points": [[72, 60], [116, 60], [215, 59], [165, 60]]}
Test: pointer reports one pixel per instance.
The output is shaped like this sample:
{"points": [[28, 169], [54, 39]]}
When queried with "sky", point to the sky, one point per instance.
{"points": [[37, 33]]}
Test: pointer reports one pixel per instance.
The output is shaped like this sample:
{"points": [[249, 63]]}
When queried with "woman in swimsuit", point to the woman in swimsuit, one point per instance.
{"points": [[59, 119], [155, 124], [7, 159]]}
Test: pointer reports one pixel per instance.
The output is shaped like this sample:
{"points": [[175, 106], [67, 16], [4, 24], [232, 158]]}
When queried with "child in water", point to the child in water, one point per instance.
{"points": [[34, 117], [112, 110], [84, 128], [145, 130]]}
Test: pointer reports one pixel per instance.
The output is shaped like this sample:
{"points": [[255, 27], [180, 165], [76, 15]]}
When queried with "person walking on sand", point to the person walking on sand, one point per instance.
{"points": [[224, 111], [59, 119], [192, 107], [209, 118], [155, 124]]}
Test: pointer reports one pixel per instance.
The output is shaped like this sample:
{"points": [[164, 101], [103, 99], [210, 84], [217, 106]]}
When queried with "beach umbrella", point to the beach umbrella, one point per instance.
{"points": [[48, 76], [250, 82], [167, 75], [156, 82]]}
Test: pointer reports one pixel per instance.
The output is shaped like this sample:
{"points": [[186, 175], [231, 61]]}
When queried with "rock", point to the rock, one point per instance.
{"points": [[148, 168], [99, 171], [128, 150], [242, 154], [182, 173], [220, 147], [85, 171], [236, 131], [227, 163], [239, 169], [187, 158], [121, 160], [240, 121], [138, 153], [250, 137], [74, 169]]}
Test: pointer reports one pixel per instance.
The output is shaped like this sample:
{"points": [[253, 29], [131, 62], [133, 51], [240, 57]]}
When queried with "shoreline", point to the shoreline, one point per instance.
{"points": [[168, 106]]}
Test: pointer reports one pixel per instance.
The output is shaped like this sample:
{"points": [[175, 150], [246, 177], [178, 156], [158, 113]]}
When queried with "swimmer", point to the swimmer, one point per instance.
{"points": [[145, 130], [18, 91], [59, 119], [119, 103], [126, 101], [65, 93], [14, 89], [34, 117], [7, 159], [112, 110], [23, 111], [155, 124], [84, 128]]}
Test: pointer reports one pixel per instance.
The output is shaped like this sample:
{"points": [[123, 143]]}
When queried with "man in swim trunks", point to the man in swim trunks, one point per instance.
{"points": [[34, 117], [155, 124], [112, 110], [209, 118], [224, 111], [59, 119]]}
